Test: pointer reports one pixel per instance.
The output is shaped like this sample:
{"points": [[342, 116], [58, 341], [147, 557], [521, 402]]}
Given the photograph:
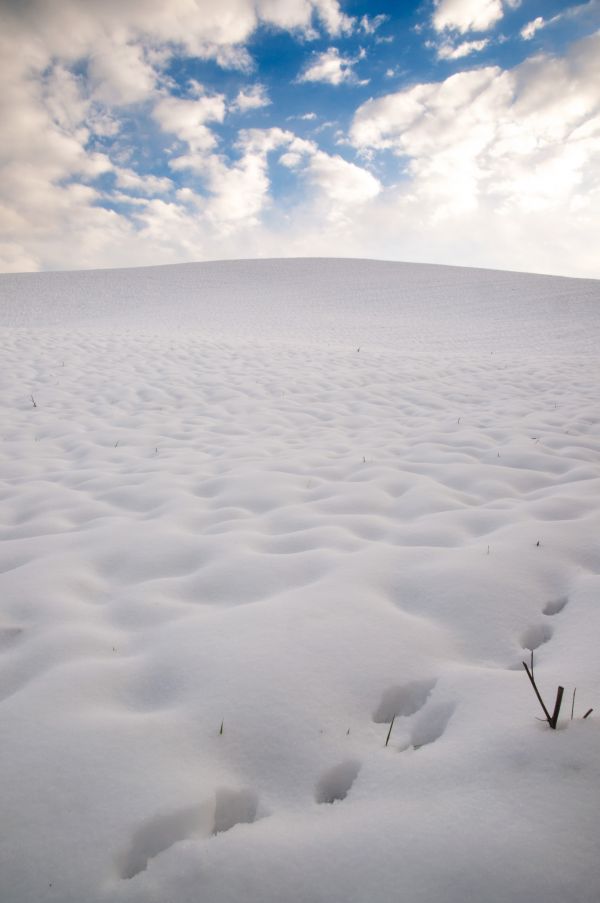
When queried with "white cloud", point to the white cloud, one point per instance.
{"points": [[370, 24], [494, 167], [146, 185], [68, 68], [251, 98], [71, 29], [119, 74], [528, 31], [336, 184], [239, 191], [187, 120], [65, 99], [449, 51], [235, 192], [581, 11], [226, 216], [340, 182], [291, 159], [466, 15], [297, 14], [14, 258], [490, 146], [331, 68]]}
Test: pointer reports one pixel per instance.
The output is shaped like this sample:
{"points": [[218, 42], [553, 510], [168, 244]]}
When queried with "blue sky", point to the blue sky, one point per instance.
{"points": [[451, 131]]}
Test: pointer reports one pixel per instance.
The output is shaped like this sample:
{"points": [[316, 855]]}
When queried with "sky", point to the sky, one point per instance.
{"points": [[139, 132]]}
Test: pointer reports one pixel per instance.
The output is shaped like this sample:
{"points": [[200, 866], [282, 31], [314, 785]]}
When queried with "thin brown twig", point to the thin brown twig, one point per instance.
{"points": [[537, 693], [390, 731]]}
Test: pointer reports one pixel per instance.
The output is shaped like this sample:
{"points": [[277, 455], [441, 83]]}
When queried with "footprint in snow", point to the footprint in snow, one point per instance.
{"points": [[403, 700], [431, 724], [229, 808], [555, 606], [335, 784], [234, 807], [9, 636], [536, 636]]}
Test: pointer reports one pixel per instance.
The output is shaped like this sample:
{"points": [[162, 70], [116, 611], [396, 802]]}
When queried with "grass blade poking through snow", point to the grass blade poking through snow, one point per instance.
{"points": [[551, 719]]}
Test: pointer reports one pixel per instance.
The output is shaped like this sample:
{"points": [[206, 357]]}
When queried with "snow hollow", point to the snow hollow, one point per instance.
{"points": [[252, 512]]}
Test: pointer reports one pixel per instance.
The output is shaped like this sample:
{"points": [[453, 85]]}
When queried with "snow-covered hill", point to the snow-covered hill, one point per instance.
{"points": [[389, 305], [250, 512]]}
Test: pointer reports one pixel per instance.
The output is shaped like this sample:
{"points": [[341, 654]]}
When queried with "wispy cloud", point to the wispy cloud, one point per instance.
{"points": [[528, 31], [449, 51], [370, 24], [579, 11]]}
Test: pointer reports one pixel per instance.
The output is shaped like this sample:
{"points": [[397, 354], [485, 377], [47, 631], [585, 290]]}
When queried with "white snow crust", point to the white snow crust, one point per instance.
{"points": [[252, 511]]}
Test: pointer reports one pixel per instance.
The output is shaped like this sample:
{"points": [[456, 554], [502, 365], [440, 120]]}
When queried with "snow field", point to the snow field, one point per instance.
{"points": [[233, 547]]}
